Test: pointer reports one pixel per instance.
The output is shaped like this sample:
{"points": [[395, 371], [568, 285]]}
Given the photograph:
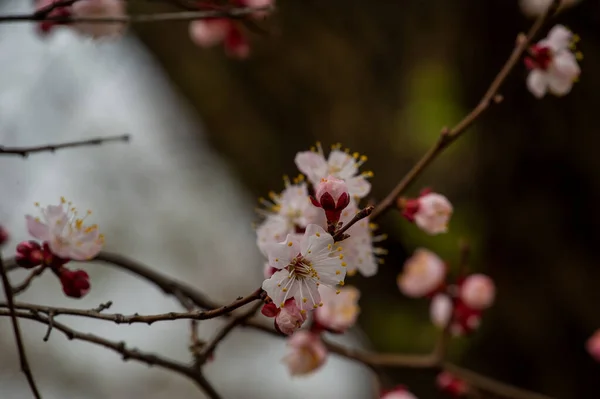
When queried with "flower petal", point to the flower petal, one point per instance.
{"points": [[312, 164], [315, 240], [537, 83], [275, 286], [559, 38], [37, 229], [281, 254], [358, 186]]}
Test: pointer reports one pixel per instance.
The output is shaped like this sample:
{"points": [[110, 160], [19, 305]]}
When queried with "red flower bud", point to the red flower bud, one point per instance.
{"points": [[451, 385], [29, 254], [75, 284]]}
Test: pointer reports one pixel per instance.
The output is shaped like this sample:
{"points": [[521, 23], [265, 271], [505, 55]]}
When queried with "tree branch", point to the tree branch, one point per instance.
{"points": [[25, 284], [141, 18], [25, 151], [447, 137], [208, 350], [17, 331]]}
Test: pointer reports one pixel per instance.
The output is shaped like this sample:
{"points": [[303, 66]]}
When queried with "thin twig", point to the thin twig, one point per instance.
{"points": [[137, 318], [447, 137], [141, 18], [50, 326], [340, 234], [17, 331], [209, 348], [25, 151], [25, 284]]}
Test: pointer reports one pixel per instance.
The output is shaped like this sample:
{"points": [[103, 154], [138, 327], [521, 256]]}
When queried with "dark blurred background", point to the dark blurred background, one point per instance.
{"points": [[383, 77]]}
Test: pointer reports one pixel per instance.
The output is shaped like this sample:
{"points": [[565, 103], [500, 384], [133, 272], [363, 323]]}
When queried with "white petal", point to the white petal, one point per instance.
{"points": [[307, 294], [274, 286], [441, 310], [559, 38], [273, 230], [316, 240], [280, 254], [312, 164], [358, 186], [566, 64], [341, 165], [37, 229], [559, 85], [537, 83]]}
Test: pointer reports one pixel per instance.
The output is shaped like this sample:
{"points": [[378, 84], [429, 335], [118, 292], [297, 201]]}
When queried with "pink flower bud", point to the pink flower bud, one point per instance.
{"points": [[209, 32], [332, 195], [289, 318], [4, 236], [307, 353], [422, 275], [431, 212], [29, 254], [269, 310], [75, 284], [399, 392], [478, 291], [451, 385], [593, 345], [340, 309], [463, 319]]}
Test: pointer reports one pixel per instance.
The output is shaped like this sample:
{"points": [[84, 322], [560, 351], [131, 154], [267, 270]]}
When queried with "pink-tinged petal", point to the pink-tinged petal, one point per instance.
{"points": [[37, 229], [559, 38], [208, 33], [537, 83], [559, 85], [99, 9], [566, 64], [59, 247], [277, 287], [306, 353], [281, 254], [593, 346], [478, 291], [312, 164], [423, 274], [85, 251], [358, 186], [340, 310]]}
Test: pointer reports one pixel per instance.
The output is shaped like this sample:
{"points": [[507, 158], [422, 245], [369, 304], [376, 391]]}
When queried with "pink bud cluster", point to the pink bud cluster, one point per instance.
{"points": [[228, 32], [458, 306]]}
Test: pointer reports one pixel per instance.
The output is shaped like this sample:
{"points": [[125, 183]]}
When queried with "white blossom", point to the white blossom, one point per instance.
{"points": [[303, 266]]}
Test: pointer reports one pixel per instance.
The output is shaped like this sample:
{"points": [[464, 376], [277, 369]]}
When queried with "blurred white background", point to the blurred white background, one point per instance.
{"points": [[163, 199]]}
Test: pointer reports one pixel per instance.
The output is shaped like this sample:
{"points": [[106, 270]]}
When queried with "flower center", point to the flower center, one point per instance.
{"points": [[302, 268], [540, 58]]}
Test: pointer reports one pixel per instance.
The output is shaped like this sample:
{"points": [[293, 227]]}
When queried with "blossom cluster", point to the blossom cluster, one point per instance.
{"points": [[63, 237], [457, 306]]}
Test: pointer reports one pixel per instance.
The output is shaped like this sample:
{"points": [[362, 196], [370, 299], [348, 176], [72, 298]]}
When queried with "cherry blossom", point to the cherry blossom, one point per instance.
{"points": [[287, 213], [478, 291], [99, 9], [341, 165], [422, 275], [553, 65], [307, 353], [339, 311], [66, 235], [303, 266], [593, 345], [400, 392], [431, 212]]}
